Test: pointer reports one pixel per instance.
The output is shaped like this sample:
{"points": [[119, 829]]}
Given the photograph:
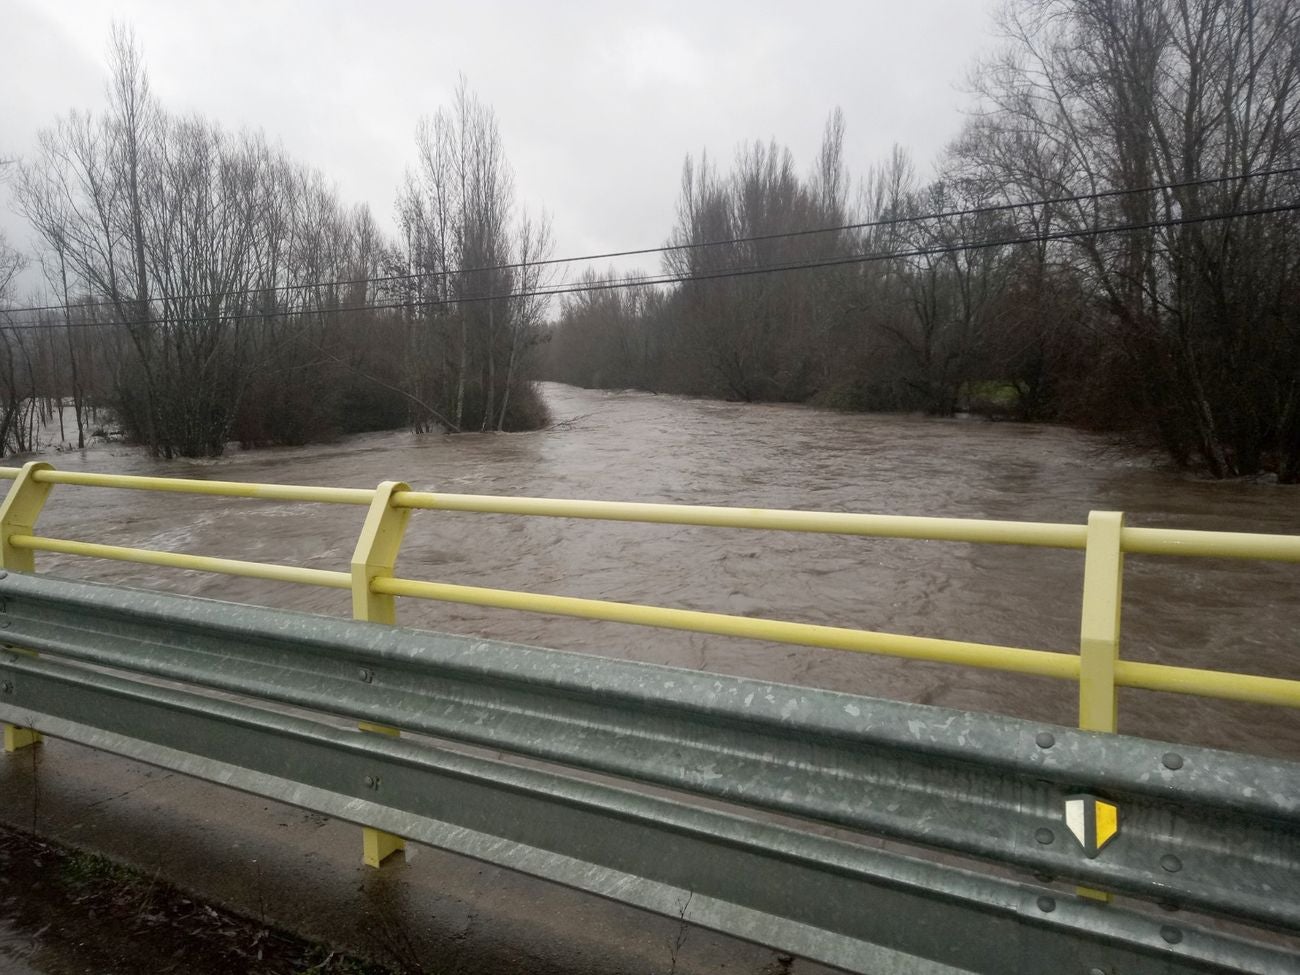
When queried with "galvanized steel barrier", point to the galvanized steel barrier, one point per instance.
{"points": [[1199, 829], [1193, 827]]}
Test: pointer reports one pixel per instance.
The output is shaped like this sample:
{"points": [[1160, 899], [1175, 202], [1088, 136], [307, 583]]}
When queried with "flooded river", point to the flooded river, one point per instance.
{"points": [[634, 446]]}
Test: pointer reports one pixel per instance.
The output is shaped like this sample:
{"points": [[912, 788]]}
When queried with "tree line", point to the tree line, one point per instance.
{"points": [[1115, 306], [1106, 242], [209, 288]]}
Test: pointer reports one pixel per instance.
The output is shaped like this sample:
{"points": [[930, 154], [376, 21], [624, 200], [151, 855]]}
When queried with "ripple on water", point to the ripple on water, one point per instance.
{"points": [[17, 948]]}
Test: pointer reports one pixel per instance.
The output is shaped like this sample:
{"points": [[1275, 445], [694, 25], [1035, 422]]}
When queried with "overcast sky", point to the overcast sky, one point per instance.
{"points": [[598, 102]]}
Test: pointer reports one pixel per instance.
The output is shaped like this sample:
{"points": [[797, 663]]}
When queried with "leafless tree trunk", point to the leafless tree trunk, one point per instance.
{"points": [[460, 227], [1095, 94]]}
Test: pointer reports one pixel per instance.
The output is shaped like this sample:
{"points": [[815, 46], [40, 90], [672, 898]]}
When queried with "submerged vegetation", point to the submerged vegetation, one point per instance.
{"points": [[209, 288]]}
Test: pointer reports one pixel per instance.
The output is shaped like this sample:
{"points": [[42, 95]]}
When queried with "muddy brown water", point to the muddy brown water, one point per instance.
{"points": [[1218, 614]]}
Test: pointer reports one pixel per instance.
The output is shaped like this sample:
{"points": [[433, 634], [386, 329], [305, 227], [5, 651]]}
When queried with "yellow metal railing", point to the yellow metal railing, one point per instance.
{"points": [[1097, 667], [1105, 540]]}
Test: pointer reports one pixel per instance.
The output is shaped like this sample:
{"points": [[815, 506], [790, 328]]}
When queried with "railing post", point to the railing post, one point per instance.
{"points": [[375, 556], [1103, 577], [1103, 587], [18, 513]]}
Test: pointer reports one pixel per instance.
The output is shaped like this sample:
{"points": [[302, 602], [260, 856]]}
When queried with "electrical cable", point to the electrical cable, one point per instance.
{"points": [[689, 245], [611, 284]]}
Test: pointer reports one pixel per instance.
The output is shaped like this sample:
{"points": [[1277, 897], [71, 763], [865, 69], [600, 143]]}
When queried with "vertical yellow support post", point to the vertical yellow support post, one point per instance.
{"points": [[1103, 589], [16, 737], [1103, 579], [375, 556], [18, 513]]}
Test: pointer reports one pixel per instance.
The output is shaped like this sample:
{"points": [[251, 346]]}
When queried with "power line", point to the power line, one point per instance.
{"points": [[668, 248], [611, 284]]}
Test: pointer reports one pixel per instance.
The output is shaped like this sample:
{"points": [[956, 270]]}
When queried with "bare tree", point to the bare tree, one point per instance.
{"points": [[1099, 94], [534, 244], [471, 319], [211, 261]]}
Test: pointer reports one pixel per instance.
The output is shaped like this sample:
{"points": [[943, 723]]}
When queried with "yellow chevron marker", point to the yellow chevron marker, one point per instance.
{"points": [[1094, 822]]}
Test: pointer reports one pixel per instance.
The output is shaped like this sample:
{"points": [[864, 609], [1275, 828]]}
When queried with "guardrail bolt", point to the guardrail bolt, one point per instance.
{"points": [[1044, 836], [1046, 904], [372, 781], [1172, 761], [1168, 905], [1171, 863], [366, 675], [1096, 971], [1171, 934], [7, 687], [1045, 739]]}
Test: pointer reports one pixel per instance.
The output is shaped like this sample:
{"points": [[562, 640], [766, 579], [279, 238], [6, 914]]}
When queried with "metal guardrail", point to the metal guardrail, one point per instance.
{"points": [[1198, 828]]}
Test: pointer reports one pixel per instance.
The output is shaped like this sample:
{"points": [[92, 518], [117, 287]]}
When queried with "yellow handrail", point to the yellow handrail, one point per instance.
{"points": [[822, 522], [179, 560], [767, 519], [1209, 683], [1135, 541], [1043, 663], [1212, 545], [1106, 546], [224, 489]]}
